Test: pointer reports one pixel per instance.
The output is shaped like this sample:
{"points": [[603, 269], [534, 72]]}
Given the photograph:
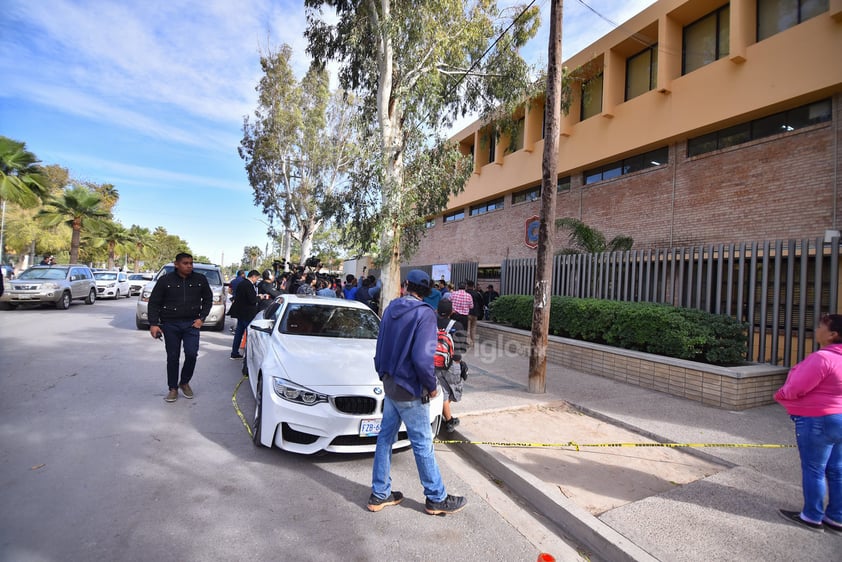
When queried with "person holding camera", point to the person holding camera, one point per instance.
{"points": [[404, 362]]}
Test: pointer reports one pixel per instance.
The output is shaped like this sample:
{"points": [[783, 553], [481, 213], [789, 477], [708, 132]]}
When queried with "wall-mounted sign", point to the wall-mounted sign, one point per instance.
{"points": [[532, 225]]}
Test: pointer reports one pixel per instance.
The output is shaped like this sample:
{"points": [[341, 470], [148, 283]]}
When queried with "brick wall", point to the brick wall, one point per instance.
{"points": [[775, 188]]}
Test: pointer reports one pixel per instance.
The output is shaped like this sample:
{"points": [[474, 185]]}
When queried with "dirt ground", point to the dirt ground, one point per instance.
{"points": [[596, 478]]}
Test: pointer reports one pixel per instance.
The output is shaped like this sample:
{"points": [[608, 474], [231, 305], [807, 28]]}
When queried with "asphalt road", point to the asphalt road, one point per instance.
{"points": [[94, 465]]}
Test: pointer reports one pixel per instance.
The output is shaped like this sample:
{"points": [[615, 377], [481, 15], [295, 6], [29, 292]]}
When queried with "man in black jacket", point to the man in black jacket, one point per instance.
{"points": [[178, 305], [244, 308]]}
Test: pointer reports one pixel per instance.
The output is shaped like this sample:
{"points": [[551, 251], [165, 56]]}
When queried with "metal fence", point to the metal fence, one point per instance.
{"points": [[779, 288]]}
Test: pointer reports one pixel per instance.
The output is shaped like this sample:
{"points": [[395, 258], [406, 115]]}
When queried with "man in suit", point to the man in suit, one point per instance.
{"points": [[244, 308]]}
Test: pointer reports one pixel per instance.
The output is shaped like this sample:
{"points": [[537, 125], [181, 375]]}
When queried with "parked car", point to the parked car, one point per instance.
{"points": [[215, 319], [112, 284], [51, 284], [137, 281], [311, 370]]}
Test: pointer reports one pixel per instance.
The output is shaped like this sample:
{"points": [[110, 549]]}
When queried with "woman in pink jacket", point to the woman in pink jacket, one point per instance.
{"points": [[812, 396]]}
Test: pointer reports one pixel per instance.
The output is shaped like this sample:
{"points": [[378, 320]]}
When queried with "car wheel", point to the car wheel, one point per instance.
{"points": [[117, 296], [258, 412], [91, 298], [140, 325], [219, 326], [9, 306], [64, 302]]}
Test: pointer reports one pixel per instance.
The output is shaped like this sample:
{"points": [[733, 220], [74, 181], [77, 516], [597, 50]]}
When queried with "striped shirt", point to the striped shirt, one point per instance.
{"points": [[462, 302]]}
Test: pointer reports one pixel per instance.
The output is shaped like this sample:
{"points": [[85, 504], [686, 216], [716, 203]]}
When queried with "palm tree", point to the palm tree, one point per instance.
{"points": [[114, 235], [587, 240], [140, 238], [21, 178], [76, 206]]}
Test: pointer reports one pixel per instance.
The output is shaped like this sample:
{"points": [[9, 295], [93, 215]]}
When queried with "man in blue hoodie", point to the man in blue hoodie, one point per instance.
{"points": [[404, 362]]}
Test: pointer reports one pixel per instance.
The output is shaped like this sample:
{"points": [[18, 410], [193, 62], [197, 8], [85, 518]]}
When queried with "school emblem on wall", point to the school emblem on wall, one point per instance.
{"points": [[532, 225]]}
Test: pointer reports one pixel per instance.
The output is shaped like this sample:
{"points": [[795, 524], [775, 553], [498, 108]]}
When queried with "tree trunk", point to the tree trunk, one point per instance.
{"points": [[388, 115], [110, 255], [549, 180], [75, 241]]}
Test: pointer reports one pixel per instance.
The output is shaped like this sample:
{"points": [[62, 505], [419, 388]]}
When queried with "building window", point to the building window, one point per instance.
{"points": [[706, 40], [454, 216], [650, 159], [492, 146], [525, 195], [430, 223], [774, 16], [592, 97], [486, 207], [517, 135], [563, 184], [642, 72], [783, 122]]}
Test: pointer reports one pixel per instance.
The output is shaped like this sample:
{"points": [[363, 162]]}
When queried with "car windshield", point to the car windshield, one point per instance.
{"points": [[137, 277], [105, 276], [330, 321], [211, 274], [44, 273]]}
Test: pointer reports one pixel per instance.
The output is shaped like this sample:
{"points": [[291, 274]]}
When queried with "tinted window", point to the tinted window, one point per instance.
{"points": [[45, 273], [105, 276], [330, 321], [211, 274]]}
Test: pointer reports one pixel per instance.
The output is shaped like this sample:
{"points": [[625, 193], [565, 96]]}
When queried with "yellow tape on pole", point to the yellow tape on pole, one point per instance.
{"points": [[577, 446]]}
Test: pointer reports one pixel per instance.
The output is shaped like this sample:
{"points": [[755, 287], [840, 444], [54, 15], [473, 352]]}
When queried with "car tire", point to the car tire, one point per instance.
{"points": [[117, 296], [8, 306], [91, 298], [140, 325], [258, 412], [64, 302]]}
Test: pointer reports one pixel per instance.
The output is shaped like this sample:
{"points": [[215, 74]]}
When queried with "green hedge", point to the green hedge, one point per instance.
{"points": [[653, 328]]}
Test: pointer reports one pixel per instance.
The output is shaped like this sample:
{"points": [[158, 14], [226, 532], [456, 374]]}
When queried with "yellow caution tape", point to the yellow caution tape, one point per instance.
{"points": [[568, 445], [577, 446], [237, 407]]}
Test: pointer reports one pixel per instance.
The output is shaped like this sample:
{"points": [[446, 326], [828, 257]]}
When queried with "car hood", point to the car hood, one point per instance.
{"points": [[319, 361]]}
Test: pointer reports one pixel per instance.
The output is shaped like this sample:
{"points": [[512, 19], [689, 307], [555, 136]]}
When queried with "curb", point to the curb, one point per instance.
{"points": [[589, 531]]}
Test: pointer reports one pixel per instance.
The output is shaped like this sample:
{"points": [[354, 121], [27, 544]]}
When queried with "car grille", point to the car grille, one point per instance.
{"points": [[24, 287], [357, 405], [294, 436], [356, 440]]}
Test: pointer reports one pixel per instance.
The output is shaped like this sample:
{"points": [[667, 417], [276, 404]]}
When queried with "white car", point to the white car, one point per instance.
{"points": [[138, 280], [112, 284], [310, 362]]}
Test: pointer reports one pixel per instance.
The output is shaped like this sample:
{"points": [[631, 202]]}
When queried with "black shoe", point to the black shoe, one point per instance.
{"points": [[832, 527], [450, 504], [795, 517], [376, 504], [450, 425], [235, 357]]}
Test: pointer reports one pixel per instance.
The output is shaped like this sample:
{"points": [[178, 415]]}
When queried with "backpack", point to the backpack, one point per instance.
{"points": [[443, 357]]}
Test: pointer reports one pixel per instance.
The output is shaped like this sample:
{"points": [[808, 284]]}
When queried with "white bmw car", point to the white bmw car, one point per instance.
{"points": [[310, 362]]}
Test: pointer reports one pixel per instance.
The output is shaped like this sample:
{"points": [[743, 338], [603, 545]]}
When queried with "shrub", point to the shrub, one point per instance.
{"points": [[661, 329]]}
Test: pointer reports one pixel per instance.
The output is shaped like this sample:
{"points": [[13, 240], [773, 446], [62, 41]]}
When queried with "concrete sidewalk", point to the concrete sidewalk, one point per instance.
{"points": [[731, 515]]}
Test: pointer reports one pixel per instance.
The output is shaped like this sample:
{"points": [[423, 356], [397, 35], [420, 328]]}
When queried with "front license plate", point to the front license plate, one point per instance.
{"points": [[369, 428]]}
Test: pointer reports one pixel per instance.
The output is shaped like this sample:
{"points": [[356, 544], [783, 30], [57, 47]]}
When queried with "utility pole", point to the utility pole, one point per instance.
{"points": [[549, 180]]}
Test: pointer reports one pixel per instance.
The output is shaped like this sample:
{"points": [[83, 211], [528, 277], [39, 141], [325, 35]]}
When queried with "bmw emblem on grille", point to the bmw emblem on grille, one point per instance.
{"points": [[378, 390]]}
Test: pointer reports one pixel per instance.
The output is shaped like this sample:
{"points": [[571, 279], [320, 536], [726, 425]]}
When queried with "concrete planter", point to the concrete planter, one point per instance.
{"points": [[729, 388]]}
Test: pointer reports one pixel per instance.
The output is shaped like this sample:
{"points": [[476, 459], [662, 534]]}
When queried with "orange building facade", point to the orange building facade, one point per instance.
{"points": [[694, 122]]}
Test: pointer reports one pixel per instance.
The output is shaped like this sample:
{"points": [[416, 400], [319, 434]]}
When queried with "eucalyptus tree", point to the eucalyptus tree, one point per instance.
{"points": [[297, 147], [416, 66], [76, 207]]}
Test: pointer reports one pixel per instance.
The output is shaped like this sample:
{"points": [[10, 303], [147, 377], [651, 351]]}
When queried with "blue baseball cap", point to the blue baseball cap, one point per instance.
{"points": [[418, 277]]}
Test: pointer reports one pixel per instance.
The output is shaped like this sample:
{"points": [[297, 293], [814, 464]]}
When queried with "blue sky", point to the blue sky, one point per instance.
{"points": [[150, 96]]}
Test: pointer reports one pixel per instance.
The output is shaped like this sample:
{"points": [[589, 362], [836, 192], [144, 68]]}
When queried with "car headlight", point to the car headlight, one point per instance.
{"points": [[49, 286], [112, 285], [144, 296], [294, 393], [217, 299]]}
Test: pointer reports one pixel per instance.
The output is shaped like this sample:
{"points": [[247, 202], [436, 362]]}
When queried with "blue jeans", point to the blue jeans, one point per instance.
{"points": [[242, 324], [416, 416], [820, 447], [178, 333]]}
